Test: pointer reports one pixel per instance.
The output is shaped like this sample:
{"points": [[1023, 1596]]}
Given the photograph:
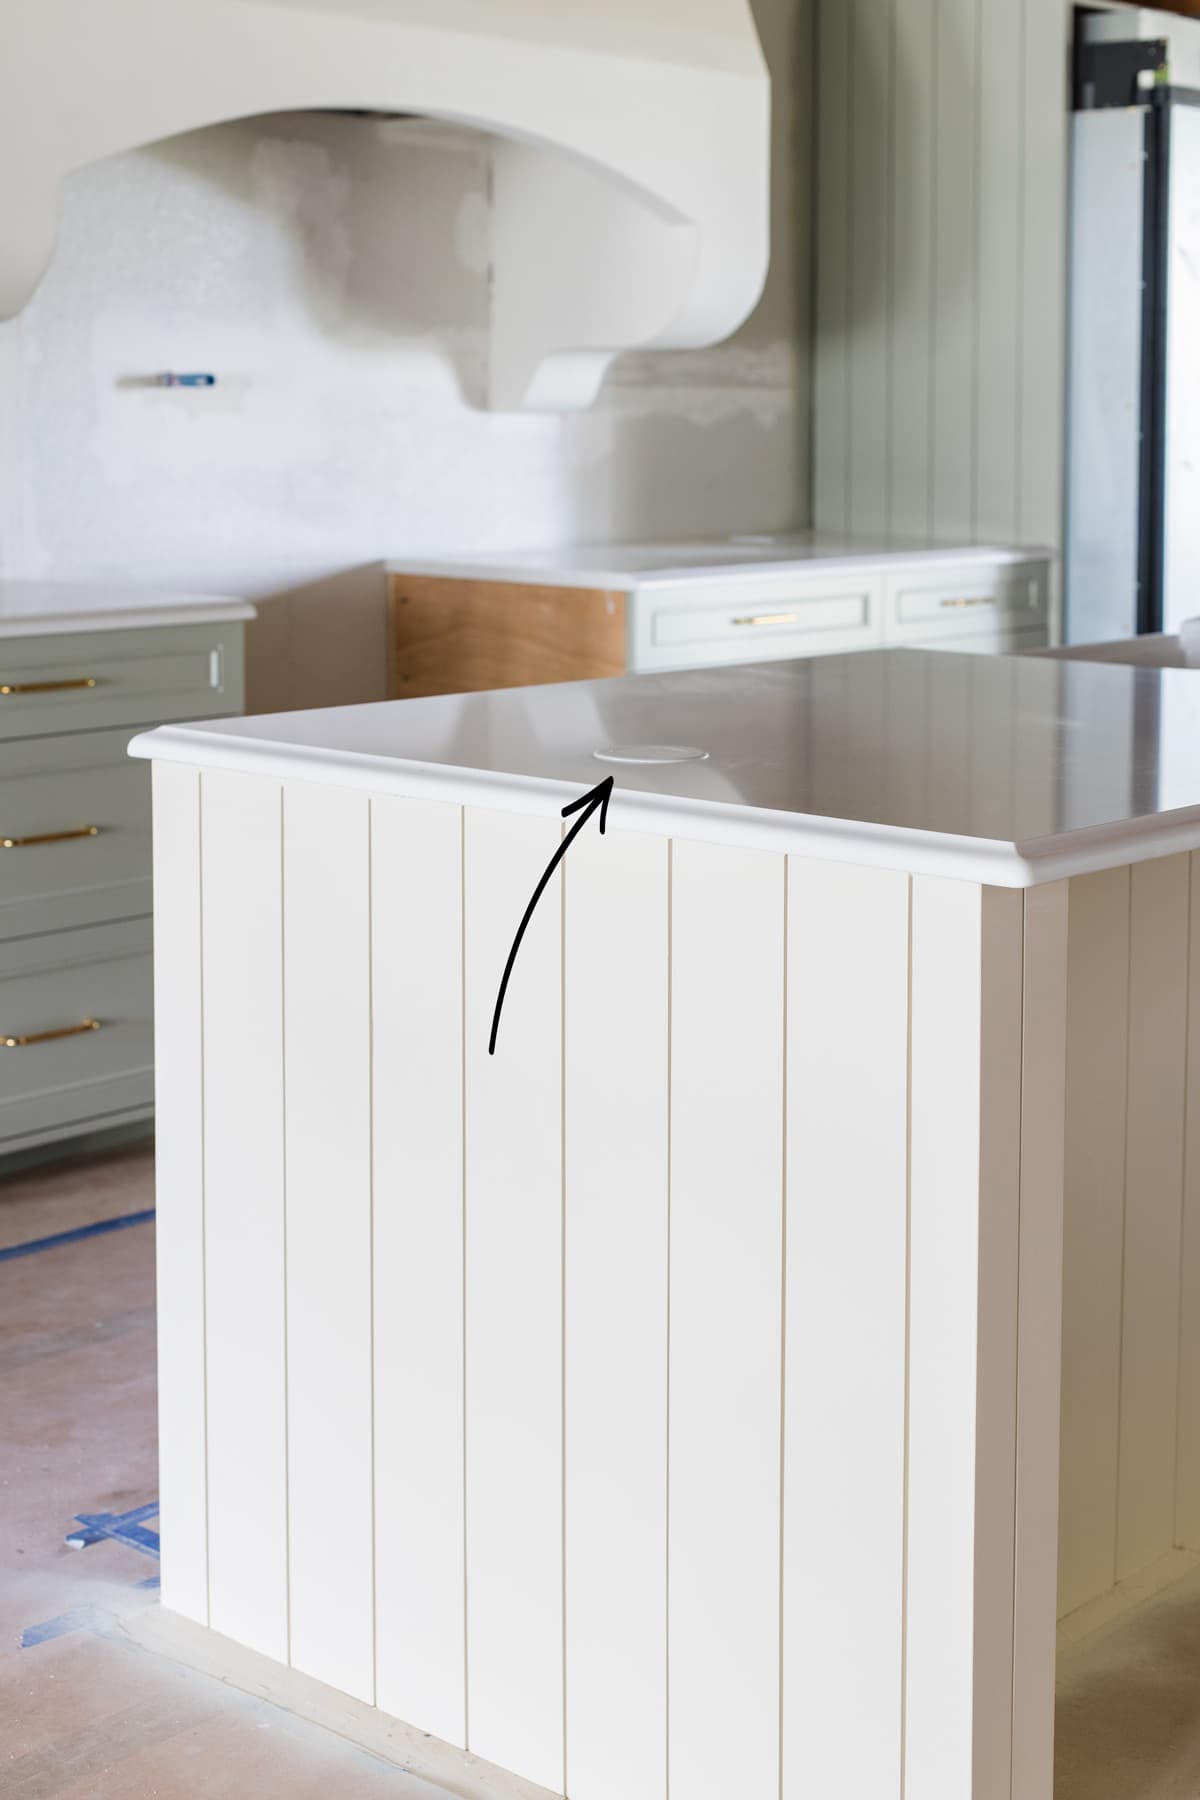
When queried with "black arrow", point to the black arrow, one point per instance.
{"points": [[599, 796]]}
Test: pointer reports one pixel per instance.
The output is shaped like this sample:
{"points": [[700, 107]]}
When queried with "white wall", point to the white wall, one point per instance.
{"points": [[333, 273], [941, 168]]}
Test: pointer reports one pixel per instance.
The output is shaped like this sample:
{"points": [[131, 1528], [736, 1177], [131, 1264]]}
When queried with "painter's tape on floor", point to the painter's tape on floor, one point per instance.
{"points": [[83, 1618], [122, 1528], [74, 1237]]}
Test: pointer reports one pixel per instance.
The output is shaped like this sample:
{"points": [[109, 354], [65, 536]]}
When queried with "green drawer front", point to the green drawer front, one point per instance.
{"points": [[98, 679], [53, 790], [55, 985]]}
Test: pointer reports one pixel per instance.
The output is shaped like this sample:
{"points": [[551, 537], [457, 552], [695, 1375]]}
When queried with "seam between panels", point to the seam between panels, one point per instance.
{"points": [[1124, 1221], [287, 1448], [670, 1177], [1183, 1189], [371, 1226], [783, 1314], [1016, 1461], [562, 1275], [462, 1008], [203, 1208], [907, 1352]]}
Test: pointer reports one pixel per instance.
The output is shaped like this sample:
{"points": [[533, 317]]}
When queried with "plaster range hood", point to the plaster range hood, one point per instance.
{"points": [[630, 170]]}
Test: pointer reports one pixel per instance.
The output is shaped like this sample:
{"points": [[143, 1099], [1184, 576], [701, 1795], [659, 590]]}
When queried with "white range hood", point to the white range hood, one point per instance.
{"points": [[631, 165]]}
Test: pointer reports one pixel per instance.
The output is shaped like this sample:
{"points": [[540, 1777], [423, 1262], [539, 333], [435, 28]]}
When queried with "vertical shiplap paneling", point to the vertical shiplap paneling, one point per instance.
{"points": [[915, 54], [244, 1210], [727, 1022], [870, 270], [955, 344], [847, 1224], [1158, 939], [615, 1121], [833, 333], [970, 392], [1001, 57], [417, 1127], [1039, 1336], [1093, 1228], [1041, 138], [1187, 1488], [327, 1048], [514, 1300], [179, 1189], [964, 1196]]}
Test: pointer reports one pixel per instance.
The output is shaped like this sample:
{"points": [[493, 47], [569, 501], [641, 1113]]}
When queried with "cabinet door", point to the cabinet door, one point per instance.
{"points": [[96, 679], [929, 605]]}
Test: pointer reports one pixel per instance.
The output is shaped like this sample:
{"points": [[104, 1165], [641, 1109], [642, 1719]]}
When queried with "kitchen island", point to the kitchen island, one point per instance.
{"points": [[670, 1400]]}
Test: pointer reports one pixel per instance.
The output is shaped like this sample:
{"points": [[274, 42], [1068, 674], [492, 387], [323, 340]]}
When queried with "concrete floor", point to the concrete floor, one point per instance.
{"points": [[92, 1714]]}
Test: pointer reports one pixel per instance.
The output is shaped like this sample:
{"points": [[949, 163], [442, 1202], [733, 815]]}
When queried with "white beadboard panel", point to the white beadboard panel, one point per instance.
{"points": [[416, 985], [1039, 1336], [514, 1317], [1187, 1488], [327, 1049], [727, 1023], [1001, 81], [951, 367], [244, 1209], [615, 1086], [1158, 944], [833, 451], [964, 1198], [179, 1190], [1093, 1228], [844, 1385]]}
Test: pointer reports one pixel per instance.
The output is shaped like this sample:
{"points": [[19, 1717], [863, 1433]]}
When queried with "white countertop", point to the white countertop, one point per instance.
{"points": [[1008, 770], [623, 567], [51, 608]]}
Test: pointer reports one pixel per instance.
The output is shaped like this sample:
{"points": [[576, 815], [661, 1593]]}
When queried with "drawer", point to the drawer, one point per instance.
{"points": [[95, 679], [74, 833], [964, 603], [65, 1076], [756, 623]]}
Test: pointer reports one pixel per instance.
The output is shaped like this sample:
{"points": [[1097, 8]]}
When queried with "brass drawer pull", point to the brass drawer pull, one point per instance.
{"points": [[46, 1037], [46, 687], [971, 600], [767, 619], [49, 837]]}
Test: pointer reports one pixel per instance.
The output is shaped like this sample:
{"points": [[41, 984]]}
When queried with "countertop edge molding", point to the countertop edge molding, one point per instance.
{"points": [[131, 618], [993, 862]]}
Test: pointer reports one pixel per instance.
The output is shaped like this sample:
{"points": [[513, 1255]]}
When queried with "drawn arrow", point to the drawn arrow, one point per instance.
{"points": [[596, 798]]}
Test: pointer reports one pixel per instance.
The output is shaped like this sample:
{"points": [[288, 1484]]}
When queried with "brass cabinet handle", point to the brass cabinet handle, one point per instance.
{"points": [[45, 1037], [46, 687], [767, 619], [971, 600], [49, 837]]}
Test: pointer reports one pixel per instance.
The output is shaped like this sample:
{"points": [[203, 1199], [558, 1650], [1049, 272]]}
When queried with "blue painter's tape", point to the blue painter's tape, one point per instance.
{"points": [[74, 1237], [124, 1528], [97, 1526], [151, 1581], [81, 1619]]}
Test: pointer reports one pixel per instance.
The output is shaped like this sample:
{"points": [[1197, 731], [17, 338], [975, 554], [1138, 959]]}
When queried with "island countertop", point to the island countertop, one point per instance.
{"points": [[1006, 770]]}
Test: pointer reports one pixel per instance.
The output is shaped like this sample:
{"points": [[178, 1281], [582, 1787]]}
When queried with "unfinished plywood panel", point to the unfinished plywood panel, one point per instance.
{"points": [[615, 1091], [179, 1186], [1158, 945], [962, 1399], [1187, 1490], [727, 1024], [458, 637], [327, 1046], [244, 1209], [1094, 1208], [847, 1208], [514, 1311], [417, 1078]]}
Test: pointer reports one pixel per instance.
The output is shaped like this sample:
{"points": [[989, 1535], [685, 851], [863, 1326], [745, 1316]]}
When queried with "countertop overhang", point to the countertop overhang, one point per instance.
{"points": [[53, 608], [1007, 770]]}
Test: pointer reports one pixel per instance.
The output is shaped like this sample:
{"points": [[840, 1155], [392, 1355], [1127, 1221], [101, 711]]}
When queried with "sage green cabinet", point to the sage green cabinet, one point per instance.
{"points": [[76, 1003]]}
